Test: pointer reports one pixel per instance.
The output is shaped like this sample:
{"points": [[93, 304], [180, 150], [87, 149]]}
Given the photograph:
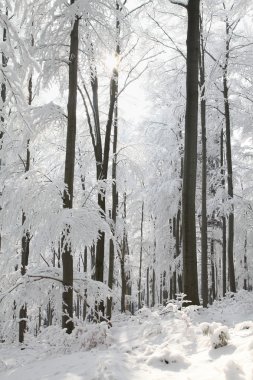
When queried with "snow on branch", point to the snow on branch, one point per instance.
{"points": [[81, 281], [183, 3]]}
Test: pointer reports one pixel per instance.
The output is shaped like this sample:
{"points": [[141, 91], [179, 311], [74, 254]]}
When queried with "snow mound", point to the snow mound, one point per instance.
{"points": [[84, 337], [165, 356]]}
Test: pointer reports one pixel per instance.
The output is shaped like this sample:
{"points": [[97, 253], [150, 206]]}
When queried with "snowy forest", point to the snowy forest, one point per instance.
{"points": [[126, 174]]}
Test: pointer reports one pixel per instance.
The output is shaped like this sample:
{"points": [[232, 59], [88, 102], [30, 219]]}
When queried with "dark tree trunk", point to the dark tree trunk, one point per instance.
{"points": [[204, 273], [85, 267], [128, 284], [102, 165], [213, 288], [153, 288], [165, 294], [3, 98], [176, 234], [231, 268], [25, 244], [147, 287], [161, 289], [93, 260], [3, 84], [114, 209], [180, 283], [140, 260], [67, 258], [24, 264], [190, 276], [245, 264], [224, 223], [101, 151], [173, 280], [123, 280], [125, 276]]}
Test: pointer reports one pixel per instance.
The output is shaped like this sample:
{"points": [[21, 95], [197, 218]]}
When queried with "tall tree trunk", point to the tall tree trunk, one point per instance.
{"points": [[224, 223], [101, 151], [103, 164], [140, 261], [25, 244], [147, 287], [204, 272], [123, 279], [93, 260], [190, 276], [85, 267], [153, 288], [213, 288], [3, 98], [245, 263], [114, 208], [124, 252], [231, 268], [67, 258]]}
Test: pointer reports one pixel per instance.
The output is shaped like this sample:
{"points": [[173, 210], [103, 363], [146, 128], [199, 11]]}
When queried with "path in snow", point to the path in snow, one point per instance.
{"points": [[149, 347]]}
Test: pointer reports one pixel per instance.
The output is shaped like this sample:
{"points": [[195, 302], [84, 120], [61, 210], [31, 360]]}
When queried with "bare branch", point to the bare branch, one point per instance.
{"points": [[88, 118], [168, 36], [43, 258], [139, 7]]}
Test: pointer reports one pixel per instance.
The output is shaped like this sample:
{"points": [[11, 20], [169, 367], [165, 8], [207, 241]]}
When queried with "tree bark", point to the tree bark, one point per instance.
{"points": [[147, 287], [85, 267], [224, 222], [25, 244], [124, 252], [3, 98], [231, 268], [204, 272], [190, 276], [102, 165], [140, 261], [67, 258], [153, 288], [213, 287], [114, 208]]}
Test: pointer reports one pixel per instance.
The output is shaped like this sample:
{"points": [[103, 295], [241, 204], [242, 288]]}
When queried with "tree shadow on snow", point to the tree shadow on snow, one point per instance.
{"points": [[233, 371], [218, 352]]}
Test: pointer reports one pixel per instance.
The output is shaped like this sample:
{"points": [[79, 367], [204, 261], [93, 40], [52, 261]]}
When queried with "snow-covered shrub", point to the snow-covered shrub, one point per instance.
{"points": [[152, 328], [93, 335], [246, 325], [219, 334], [169, 308], [206, 328], [220, 337], [164, 355], [55, 336], [83, 337], [144, 312]]}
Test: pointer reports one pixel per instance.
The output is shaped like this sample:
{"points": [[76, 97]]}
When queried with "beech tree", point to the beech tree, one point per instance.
{"points": [[67, 258], [74, 188], [204, 267], [190, 276]]}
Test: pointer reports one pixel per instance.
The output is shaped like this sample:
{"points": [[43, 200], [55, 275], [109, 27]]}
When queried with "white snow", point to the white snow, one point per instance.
{"points": [[163, 344]]}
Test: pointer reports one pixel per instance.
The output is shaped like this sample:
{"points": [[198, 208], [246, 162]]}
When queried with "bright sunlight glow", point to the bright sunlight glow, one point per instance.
{"points": [[112, 61]]}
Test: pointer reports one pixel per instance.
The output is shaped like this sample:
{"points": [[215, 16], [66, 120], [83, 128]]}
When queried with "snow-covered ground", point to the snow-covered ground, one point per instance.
{"points": [[163, 344]]}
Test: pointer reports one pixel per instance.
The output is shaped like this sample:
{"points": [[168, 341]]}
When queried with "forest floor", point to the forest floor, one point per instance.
{"points": [[163, 344]]}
